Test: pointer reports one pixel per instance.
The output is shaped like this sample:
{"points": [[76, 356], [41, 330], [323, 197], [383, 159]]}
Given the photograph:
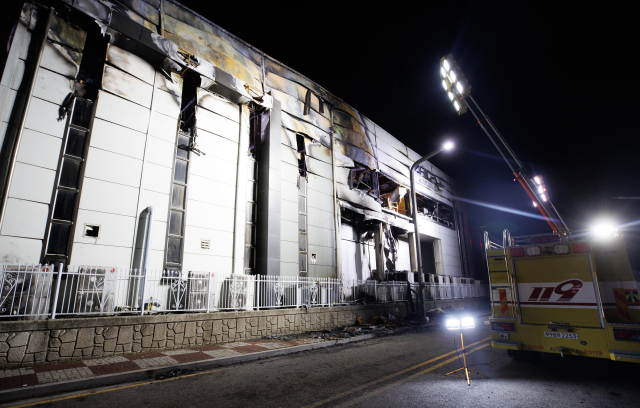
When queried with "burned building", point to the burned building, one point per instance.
{"points": [[137, 134]]}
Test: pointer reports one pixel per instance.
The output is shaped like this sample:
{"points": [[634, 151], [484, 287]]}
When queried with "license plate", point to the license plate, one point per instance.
{"points": [[557, 335]]}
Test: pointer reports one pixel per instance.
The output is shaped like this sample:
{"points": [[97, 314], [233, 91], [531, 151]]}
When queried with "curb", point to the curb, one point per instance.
{"points": [[43, 390]]}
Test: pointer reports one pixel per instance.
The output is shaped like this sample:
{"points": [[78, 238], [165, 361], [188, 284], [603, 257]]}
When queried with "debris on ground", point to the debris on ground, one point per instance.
{"points": [[176, 372]]}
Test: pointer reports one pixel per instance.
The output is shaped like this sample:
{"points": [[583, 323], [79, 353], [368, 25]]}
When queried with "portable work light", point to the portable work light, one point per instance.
{"points": [[461, 323]]}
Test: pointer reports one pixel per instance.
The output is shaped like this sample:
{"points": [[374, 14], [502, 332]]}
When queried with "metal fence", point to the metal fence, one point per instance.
{"points": [[47, 291]]}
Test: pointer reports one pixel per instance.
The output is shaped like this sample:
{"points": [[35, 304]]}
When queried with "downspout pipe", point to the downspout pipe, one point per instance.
{"points": [[415, 166], [23, 118], [146, 250]]}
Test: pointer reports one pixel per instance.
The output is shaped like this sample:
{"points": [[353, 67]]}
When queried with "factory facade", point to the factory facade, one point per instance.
{"points": [[137, 134]]}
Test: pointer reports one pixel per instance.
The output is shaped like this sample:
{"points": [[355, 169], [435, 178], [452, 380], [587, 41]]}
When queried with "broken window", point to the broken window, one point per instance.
{"points": [[435, 211], [185, 145], [394, 196], [302, 155], [77, 111], [364, 179]]}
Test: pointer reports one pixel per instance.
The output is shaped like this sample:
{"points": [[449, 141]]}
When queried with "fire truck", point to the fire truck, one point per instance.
{"points": [[563, 292], [564, 295]]}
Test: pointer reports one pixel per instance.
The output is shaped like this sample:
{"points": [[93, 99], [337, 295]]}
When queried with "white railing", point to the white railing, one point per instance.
{"points": [[47, 291]]}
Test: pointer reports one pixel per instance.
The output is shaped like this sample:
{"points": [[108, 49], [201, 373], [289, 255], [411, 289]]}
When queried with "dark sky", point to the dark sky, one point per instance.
{"points": [[559, 82]]}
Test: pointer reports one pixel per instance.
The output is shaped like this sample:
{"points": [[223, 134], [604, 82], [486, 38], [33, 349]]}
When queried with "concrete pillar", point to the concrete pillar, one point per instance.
{"points": [[269, 201]]}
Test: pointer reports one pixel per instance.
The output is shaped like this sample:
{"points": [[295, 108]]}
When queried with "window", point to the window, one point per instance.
{"points": [[67, 189], [394, 196], [302, 207], [177, 211], [436, 211], [364, 179]]}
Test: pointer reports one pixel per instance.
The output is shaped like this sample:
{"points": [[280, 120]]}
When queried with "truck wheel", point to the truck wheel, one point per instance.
{"points": [[523, 355]]}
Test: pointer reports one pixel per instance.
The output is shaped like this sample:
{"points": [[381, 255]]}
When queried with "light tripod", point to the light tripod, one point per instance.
{"points": [[455, 324]]}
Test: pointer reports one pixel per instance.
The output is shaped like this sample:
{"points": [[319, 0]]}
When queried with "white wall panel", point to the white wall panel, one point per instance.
{"points": [[156, 178], [100, 255], [320, 218], [451, 250], [206, 263], [321, 271], [32, 183], [52, 87], [219, 125], [210, 216], [174, 87], [156, 260], [25, 219], [289, 231], [319, 168], [289, 210], [163, 127], [289, 192], [217, 147], [159, 151], [221, 241], [326, 256], [215, 169], [321, 184], [43, 117], [451, 260], [107, 166], [117, 110], [289, 173], [166, 103], [321, 236], [211, 191], [319, 200], [55, 59], [289, 251], [159, 202], [158, 236], [288, 155], [127, 86], [108, 197], [20, 250], [115, 230], [289, 269], [39, 149], [8, 98], [131, 63], [117, 139], [218, 105], [404, 258]]}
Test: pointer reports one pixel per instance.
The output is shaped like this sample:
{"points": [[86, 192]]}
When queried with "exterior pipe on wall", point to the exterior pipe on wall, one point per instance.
{"points": [[23, 118], [417, 230], [336, 205]]}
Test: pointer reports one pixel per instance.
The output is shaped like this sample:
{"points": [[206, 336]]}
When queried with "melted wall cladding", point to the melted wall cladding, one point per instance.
{"points": [[66, 33], [131, 64], [204, 44], [295, 108], [356, 154], [144, 9], [294, 89], [344, 192], [127, 86], [61, 59], [294, 124], [183, 14]]}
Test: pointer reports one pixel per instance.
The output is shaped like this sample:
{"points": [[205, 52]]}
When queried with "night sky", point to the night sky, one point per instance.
{"points": [[559, 82]]}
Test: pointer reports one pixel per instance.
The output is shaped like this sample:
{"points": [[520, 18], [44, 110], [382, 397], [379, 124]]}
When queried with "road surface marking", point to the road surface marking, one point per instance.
{"points": [[379, 380], [404, 380], [30, 404]]}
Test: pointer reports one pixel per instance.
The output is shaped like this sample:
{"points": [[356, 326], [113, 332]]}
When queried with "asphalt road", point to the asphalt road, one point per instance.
{"points": [[399, 371]]}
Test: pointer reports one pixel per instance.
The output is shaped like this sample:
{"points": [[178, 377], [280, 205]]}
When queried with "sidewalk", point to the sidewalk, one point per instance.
{"points": [[49, 379]]}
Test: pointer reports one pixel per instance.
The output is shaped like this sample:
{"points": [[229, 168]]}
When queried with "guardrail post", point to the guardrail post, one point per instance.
{"points": [[298, 290], [54, 304], [209, 293], [144, 284]]}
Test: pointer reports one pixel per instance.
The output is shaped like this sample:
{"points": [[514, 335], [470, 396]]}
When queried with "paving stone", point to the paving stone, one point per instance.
{"points": [[137, 336], [18, 339], [216, 327], [99, 339], [136, 348], [125, 336], [28, 358], [4, 336], [199, 323], [137, 327], [207, 325], [85, 338], [98, 352], [68, 336], [232, 323], [170, 326], [4, 347], [53, 356], [40, 357], [179, 327]]}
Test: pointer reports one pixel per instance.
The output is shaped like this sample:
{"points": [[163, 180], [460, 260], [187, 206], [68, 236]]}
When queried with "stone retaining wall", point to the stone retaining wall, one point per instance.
{"points": [[26, 343]]}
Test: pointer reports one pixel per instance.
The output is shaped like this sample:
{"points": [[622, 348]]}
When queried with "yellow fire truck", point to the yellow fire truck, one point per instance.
{"points": [[559, 294]]}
